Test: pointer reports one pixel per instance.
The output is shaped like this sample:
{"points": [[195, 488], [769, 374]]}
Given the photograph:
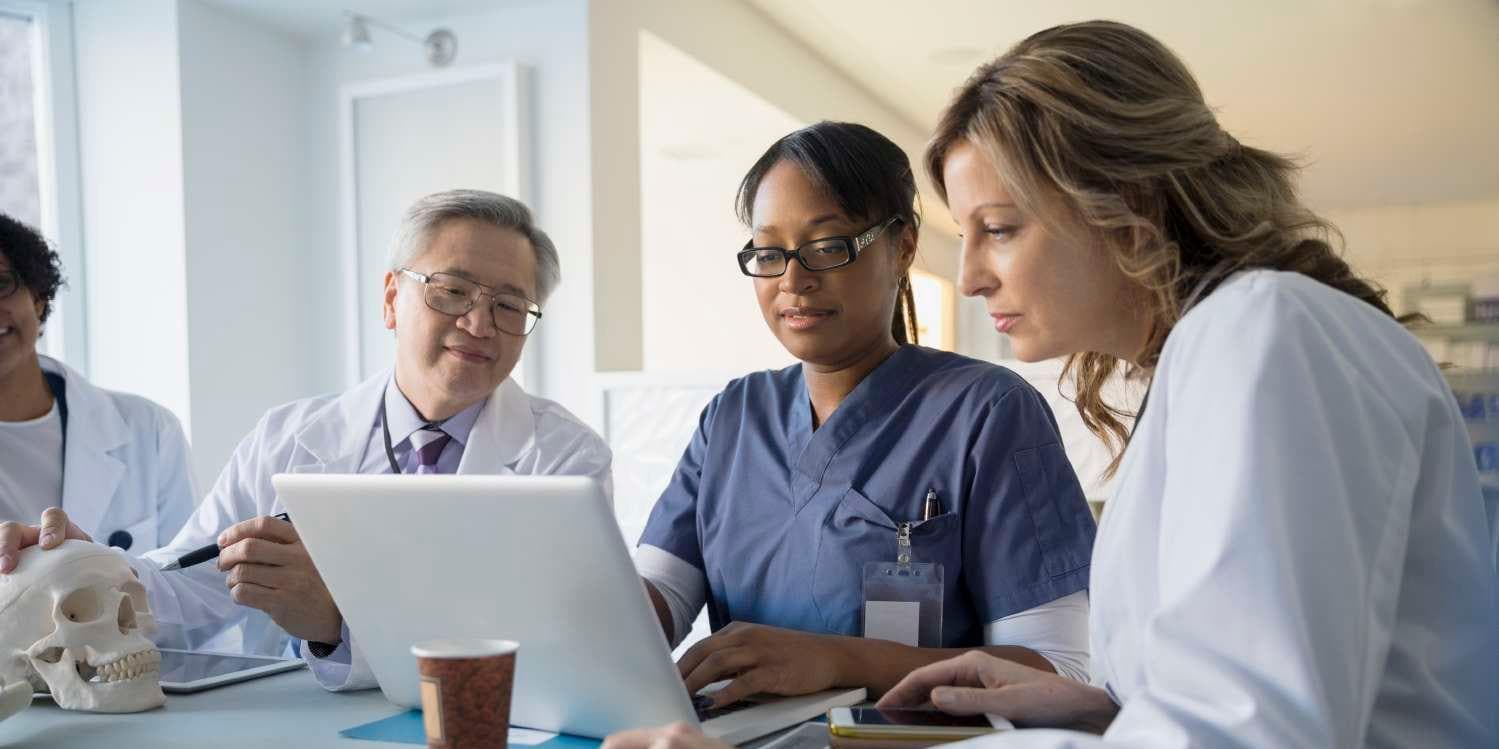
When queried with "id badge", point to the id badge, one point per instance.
{"points": [[903, 599]]}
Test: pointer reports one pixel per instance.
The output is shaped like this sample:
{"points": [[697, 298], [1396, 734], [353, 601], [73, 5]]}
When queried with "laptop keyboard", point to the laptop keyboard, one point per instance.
{"points": [[703, 704]]}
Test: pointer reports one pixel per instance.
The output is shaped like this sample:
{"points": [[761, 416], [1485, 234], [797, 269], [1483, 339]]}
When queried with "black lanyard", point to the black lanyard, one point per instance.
{"points": [[1139, 413], [390, 452], [59, 388]]}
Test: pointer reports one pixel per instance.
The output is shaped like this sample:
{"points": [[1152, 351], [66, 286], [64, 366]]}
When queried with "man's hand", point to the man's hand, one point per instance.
{"points": [[55, 528], [269, 569]]}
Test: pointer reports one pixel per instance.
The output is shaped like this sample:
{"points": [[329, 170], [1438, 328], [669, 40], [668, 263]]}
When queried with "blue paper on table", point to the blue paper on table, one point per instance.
{"points": [[406, 728]]}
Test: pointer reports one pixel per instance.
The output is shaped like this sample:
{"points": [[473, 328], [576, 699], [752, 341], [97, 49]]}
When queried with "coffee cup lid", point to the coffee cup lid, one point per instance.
{"points": [[463, 648]]}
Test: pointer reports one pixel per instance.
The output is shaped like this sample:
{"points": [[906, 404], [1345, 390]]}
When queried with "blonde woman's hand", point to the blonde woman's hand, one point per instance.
{"points": [[674, 736], [978, 683]]}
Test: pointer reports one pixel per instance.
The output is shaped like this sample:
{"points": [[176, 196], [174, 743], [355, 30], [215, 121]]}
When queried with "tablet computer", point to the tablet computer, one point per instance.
{"points": [[186, 671]]}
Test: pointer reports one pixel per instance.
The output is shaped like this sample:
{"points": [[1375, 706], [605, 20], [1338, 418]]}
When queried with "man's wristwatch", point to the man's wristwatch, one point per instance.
{"points": [[321, 649]]}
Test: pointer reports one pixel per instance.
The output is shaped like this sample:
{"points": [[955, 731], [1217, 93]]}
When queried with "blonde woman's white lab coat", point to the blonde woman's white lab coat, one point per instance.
{"points": [[1298, 553], [127, 475], [514, 433]]}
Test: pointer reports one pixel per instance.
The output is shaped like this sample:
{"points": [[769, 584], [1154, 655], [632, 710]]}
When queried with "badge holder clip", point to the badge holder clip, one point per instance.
{"points": [[903, 599]]}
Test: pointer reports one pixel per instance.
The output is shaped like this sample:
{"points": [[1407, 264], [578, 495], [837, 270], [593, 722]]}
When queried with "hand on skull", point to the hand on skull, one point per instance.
{"points": [[54, 529], [14, 697], [74, 621]]}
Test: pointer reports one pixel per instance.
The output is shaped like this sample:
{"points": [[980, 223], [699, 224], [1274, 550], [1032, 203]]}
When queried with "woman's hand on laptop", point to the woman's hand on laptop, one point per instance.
{"points": [[54, 529], [269, 569], [674, 736], [763, 660]]}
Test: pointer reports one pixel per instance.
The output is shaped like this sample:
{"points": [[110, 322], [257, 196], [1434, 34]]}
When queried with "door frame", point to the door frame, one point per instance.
{"points": [[514, 135]]}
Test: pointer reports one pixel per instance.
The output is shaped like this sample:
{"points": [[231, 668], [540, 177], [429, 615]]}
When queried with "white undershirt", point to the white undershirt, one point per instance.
{"points": [[30, 467], [1058, 630]]}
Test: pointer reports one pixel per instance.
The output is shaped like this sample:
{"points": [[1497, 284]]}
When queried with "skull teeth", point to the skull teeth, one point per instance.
{"points": [[132, 666]]}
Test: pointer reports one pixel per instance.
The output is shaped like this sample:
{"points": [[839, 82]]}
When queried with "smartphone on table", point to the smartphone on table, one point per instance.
{"points": [[905, 725]]}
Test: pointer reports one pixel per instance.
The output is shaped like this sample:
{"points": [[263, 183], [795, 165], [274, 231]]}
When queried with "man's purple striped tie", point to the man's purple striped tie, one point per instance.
{"points": [[427, 454]]}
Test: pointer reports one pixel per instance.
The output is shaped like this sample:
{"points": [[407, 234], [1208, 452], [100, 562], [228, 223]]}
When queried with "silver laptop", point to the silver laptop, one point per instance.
{"points": [[536, 559]]}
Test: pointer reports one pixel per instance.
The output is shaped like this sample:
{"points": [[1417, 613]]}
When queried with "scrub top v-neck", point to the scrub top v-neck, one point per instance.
{"points": [[781, 518]]}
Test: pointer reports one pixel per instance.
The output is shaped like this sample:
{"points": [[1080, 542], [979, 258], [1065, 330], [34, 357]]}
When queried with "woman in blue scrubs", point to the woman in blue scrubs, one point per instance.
{"points": [[796, 478]]}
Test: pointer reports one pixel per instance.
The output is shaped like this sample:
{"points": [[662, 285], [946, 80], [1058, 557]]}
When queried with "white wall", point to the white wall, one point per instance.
{"points": [[130, 144], [614, 151], [191, 130], [549, 39], [699, 133], [251, 317], [1403, 245], [731, 54]]}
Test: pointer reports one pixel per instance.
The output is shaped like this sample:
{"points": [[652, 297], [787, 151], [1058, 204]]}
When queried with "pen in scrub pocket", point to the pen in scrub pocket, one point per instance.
{"points": [[932, 507]]}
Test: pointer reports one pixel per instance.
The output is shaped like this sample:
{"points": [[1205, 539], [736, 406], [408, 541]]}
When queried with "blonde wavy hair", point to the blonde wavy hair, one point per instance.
{"points": [[1099, 126]]}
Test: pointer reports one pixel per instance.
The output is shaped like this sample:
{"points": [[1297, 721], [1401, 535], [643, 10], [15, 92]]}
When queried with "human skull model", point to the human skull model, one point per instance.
{"points": [[73, 621]]}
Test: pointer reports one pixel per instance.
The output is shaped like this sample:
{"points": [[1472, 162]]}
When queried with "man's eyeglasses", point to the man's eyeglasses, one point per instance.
{"points": [[818, 255], [10, 283], [455, 295]]}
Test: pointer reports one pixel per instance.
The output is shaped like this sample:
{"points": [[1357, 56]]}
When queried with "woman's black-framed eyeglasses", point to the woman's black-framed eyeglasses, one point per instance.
{"points": [[818, 255], [10, 283], [456, 295]]}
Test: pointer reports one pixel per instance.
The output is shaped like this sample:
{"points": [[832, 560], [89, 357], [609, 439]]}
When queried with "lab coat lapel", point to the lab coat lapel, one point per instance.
{"points": [[95, 430], [503, 432], [334, 440]]}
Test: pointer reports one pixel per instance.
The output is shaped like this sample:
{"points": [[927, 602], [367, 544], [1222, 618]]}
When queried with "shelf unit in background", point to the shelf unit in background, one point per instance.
{"points": [[1471, 331], [1477, 394], [1455, 337], [1467, 347]]}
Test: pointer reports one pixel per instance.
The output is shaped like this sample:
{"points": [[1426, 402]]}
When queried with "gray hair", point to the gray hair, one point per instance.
{"points": [[427, 214]]}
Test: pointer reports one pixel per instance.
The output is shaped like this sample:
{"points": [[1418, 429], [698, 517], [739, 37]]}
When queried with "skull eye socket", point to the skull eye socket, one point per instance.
{"points": [[82, 605]]}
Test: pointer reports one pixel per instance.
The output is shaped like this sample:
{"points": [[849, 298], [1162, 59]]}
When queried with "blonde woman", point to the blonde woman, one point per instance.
{"points": [[1298, 553]]}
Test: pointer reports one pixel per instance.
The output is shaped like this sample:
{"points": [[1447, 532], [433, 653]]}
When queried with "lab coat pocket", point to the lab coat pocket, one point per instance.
{"points": [[1057, 508], [859, 531]]}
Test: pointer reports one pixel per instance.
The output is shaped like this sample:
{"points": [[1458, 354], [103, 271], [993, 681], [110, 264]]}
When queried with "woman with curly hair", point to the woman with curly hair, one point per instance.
{"points": [[118, 464]]}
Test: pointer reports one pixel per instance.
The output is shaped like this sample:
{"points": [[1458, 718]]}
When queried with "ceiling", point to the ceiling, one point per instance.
{"points": [[317, 17], [1389, 101]]}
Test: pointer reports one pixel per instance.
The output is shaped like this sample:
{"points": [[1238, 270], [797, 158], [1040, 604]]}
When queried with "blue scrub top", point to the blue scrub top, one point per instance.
{"points": [[781, 518]]}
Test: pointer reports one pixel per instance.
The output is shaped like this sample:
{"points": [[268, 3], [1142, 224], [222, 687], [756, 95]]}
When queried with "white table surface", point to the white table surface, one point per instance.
{"points": [[285, 711]]}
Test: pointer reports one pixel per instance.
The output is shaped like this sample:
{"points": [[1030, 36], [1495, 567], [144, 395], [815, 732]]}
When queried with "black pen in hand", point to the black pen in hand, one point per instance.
{"points": [[211, 551]]}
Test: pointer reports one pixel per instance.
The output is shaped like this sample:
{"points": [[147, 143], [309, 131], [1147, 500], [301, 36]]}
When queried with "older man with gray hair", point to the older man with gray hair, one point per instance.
{"points": [[468, 275]]}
